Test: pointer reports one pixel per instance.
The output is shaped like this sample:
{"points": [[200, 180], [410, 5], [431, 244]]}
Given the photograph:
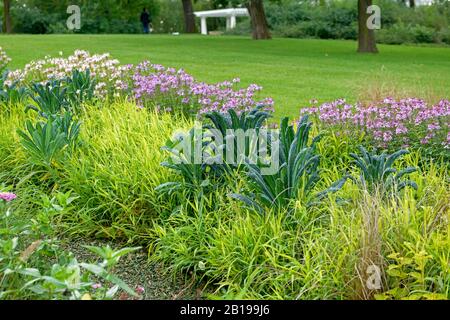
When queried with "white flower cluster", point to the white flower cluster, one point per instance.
{"points": [[4, 59], [101, 66]]}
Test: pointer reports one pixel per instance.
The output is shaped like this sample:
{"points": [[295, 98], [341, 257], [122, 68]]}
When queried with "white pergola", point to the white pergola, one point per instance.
{"points": [[424, 2], [230, 14]]}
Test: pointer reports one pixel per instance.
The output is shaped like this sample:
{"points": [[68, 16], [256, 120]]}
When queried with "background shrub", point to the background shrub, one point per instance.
{"points": [[287, 18], [338, 20]]}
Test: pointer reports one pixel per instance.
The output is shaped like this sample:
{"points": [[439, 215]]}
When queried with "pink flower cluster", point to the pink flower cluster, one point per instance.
{"points": [[7, 196], [166, 89], [174, 90], [400, 123], [107, 71]]}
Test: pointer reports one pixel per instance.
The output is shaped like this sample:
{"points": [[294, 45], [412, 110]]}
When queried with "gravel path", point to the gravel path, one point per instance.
{"points": [[135, 270]]}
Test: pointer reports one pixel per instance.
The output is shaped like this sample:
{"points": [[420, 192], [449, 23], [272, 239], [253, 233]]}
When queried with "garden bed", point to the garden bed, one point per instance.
{"points": [[345, 202]]}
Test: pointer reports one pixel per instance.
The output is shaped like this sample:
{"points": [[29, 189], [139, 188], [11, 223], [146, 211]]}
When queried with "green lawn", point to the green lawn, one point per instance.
{"points": [[291, 71]]}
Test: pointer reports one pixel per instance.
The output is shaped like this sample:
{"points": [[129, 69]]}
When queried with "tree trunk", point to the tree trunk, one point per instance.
{"points": [[189, 18], [7, 27], [366, 36], [260, 28], [412, 3]]}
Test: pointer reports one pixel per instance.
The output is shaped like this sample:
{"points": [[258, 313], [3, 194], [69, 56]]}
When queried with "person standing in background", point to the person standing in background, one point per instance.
{"points": [[145, 19]]}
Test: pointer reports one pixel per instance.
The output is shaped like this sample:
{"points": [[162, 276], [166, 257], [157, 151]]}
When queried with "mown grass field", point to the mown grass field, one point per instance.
{"points": [[291, 71]]}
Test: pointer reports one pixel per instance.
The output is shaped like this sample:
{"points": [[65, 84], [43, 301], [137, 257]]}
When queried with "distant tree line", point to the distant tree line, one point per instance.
{"points": [[345, 19], [49, 16]]}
